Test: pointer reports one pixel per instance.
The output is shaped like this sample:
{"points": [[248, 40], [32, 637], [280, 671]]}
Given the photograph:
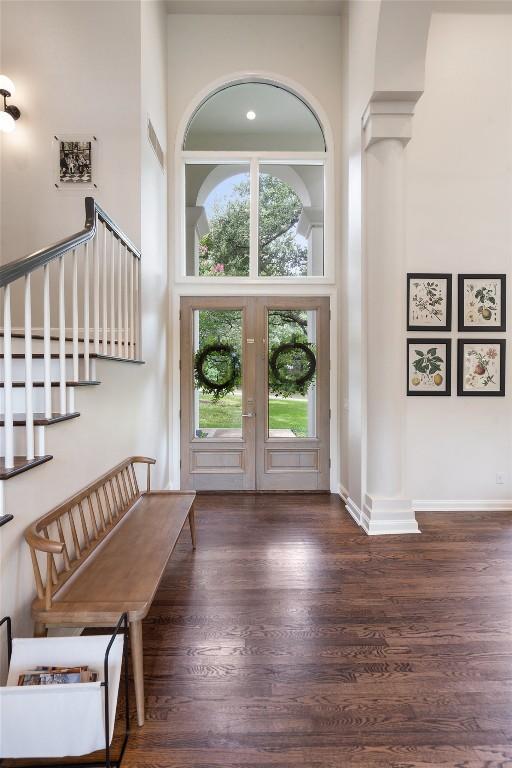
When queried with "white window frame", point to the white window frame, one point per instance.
{"points": [[254, 159]]}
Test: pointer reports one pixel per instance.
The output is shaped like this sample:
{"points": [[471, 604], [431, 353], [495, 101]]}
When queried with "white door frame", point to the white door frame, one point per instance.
{"points": [[238, 290]]}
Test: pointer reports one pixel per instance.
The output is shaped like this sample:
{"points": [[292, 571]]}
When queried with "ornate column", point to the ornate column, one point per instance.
{"points": [[386, 132]]}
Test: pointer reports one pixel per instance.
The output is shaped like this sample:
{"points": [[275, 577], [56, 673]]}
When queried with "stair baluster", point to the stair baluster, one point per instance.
{"points": [[42, 364], [47, 349], [29, 400], [87, 375], [8, 414], [62, 337]]}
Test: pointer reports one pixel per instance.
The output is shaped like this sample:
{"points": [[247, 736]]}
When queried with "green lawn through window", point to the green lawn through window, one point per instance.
{"points": [[226, 413]]}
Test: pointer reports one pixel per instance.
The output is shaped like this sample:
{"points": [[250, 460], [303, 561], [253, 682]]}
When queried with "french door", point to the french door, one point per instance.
{"points": [[255, 393]]}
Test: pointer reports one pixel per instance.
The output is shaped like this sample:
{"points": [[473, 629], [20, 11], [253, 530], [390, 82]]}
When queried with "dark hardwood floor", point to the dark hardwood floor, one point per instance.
{"points": [[290, 638]]}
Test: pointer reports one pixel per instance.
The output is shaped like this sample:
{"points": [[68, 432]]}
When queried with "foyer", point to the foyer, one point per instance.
{"points": [[255, 275]]}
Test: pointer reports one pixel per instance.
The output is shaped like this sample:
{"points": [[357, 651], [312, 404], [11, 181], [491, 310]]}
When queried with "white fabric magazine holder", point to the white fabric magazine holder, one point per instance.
{"points": [[58, 720]]}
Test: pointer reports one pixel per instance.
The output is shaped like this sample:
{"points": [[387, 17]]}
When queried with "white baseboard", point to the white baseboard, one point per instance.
{"points": [[462, 505], [388, 527], [350, 505]]}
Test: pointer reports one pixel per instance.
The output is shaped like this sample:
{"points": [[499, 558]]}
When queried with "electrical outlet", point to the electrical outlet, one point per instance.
{"points": [[500, 478]]}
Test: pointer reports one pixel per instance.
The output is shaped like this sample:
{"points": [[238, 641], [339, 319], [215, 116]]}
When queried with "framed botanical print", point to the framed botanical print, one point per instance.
{"points": [[481, 367], [482, 302], [429, 367], [429, 301]]}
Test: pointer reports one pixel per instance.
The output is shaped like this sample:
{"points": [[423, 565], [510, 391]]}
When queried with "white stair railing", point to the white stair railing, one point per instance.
{"points": [[101, 252]]}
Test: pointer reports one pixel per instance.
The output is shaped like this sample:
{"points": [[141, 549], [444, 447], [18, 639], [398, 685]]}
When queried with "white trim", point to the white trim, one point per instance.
{"points": [[174, 372], [354, 511], [388, 516], [326, 158], [266, 286], [462, 505], [387, 527], [200, 157], [254, 218], [350, 505]]}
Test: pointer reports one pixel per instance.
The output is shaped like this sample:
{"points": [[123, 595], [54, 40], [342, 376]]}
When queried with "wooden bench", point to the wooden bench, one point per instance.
{"points": [[103, 552]]}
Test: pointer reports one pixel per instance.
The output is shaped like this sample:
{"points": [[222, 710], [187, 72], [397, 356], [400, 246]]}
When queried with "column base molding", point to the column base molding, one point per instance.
{"points": [[388, 516]]}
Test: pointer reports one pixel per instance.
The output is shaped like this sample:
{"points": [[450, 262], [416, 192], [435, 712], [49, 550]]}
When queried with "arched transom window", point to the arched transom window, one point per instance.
{"points": [[254, 156]]}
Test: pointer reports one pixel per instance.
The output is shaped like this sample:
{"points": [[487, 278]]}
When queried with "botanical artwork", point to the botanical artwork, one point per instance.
{"points": [[481, 367], [429, 301], [428, 366], [482, 302], [75, 162]]}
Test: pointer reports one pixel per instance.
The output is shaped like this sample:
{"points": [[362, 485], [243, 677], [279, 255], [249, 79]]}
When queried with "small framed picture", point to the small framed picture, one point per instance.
{"points": [[429, 365], [75, 162], [429, 301], [481, 367], [482, 302]]}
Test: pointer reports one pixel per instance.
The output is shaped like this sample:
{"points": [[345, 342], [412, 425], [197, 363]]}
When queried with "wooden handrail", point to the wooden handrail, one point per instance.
{"points": [[27, 264]]}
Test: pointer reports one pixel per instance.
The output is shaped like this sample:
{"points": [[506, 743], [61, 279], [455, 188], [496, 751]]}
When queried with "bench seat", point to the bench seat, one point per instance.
{"points": [[104, 552], [124, 572]]}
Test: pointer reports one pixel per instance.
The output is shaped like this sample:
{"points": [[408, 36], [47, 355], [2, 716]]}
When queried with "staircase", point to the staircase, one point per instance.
{"points": [[63, 308]]}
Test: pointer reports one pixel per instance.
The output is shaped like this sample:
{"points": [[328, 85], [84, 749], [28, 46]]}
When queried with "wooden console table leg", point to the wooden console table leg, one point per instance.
{"points": [[39, 629], [138, 667], [192, 523]]}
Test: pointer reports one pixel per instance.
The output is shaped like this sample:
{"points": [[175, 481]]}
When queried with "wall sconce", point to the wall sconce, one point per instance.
{"points": [[10, 113]]}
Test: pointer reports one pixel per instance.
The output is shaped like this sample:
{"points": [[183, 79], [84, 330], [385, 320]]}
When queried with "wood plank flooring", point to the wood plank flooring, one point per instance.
{"points": [[290, 638]]}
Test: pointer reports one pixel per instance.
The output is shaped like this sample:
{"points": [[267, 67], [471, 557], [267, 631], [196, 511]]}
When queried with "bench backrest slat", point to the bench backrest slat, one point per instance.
{"points": [[69, 533]]}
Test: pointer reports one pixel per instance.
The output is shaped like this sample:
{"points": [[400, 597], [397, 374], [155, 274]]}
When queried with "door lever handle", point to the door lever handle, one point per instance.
{"points": [[248, 415]]}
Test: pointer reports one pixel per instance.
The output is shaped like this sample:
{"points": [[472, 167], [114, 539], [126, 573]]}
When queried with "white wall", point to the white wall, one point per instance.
{"points": [[459, 202], [74, 72], [123, 43]]}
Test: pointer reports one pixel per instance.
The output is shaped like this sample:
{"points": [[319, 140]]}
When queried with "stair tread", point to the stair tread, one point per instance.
{"points": [[54, 383], [40, 420], [69, 356], [21, 464], [40, 336]]}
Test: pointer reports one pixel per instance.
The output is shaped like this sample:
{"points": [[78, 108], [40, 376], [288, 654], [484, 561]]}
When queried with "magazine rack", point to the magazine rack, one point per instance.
{"points": [[66, 720]]}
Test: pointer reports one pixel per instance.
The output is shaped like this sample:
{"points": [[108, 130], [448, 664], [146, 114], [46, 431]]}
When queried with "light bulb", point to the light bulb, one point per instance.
{"points": [[6, 84], [7, 123], [251, 115]]}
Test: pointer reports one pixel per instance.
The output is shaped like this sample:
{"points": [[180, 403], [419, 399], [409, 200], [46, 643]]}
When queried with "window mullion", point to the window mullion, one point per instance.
{"points": [[254, 214]]}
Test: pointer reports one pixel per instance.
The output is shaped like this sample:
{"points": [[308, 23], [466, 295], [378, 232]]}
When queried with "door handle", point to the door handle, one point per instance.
{"points": [[248, 415]]}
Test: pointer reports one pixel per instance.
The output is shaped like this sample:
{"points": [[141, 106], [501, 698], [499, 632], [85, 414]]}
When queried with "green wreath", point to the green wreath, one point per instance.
{"points": [[292, 368], [217, 369]]}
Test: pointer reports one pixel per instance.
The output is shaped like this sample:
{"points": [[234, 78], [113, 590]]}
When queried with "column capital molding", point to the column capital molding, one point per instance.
{"points": [[389, 118]]}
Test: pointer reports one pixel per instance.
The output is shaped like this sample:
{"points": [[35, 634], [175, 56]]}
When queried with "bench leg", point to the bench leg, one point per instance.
{"points": [[192, 523], [39, 629], [138, 667]]}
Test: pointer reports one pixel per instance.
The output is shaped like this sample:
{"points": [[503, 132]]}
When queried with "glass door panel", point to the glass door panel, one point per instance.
{"points": [[218, 374], [292, 443], [292, 373]]}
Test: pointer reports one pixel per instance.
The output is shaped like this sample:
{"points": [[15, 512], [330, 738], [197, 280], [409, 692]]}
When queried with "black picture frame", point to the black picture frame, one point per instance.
{"points": [[461, 392], [447, 343], [436, 276], [502, 327]]}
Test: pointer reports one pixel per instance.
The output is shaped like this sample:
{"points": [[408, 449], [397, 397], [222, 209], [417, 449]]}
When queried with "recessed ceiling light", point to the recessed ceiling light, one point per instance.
{"points": [[251, 115]]}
